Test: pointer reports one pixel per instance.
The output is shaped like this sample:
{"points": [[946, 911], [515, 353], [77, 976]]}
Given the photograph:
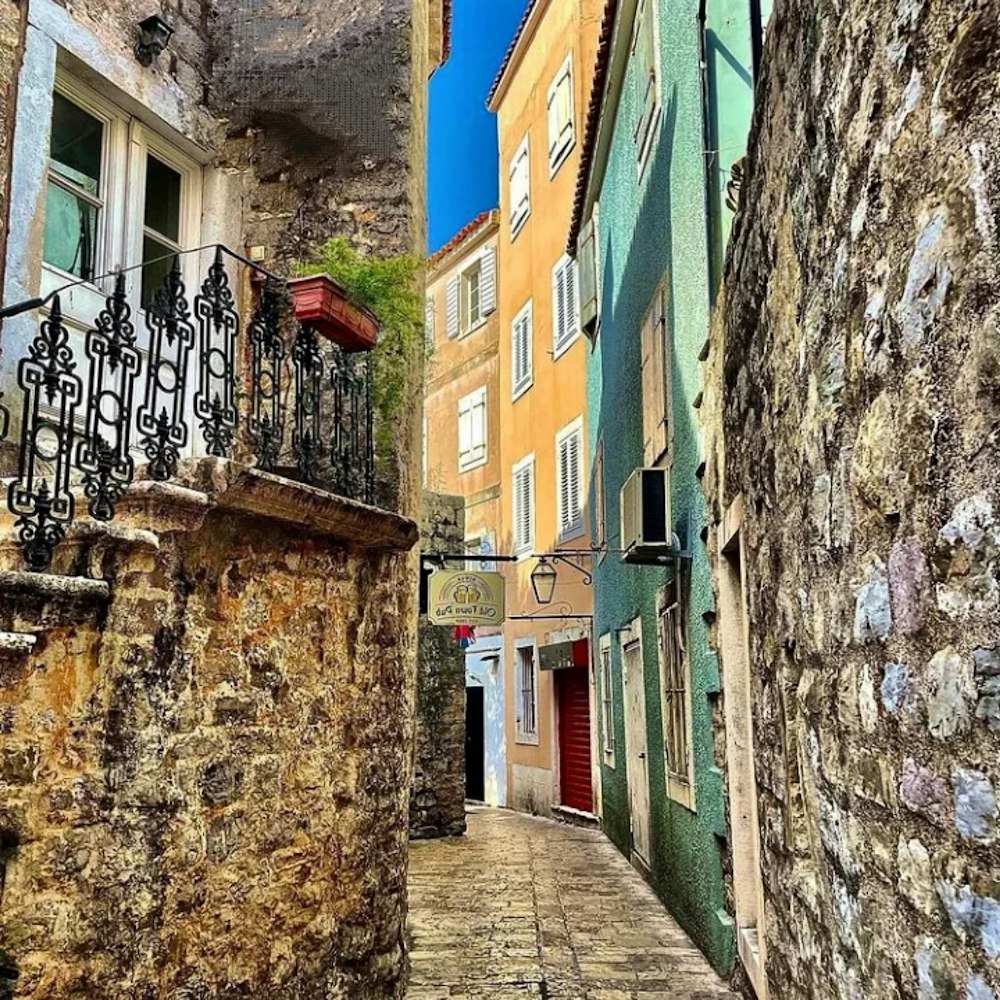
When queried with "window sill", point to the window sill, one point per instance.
{"points": [[523, 555], [462, 334], [520, 391], [609, 759], [518, 225], [681, 793], [559, 350], [571, 533], [526, 739], [472, 466]]}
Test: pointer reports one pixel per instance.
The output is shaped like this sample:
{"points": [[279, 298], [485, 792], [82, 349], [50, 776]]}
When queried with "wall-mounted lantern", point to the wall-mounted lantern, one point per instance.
{"points": [[543, 581], [154, 36]]}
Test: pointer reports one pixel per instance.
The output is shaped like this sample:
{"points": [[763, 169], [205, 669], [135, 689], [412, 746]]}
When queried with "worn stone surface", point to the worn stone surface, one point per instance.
{"points": [[868, 218], [437, 797], [526, 907], [204, 778]]}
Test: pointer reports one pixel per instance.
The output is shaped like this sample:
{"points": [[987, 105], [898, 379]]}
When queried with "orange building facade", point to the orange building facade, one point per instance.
{"points": [[540, 98]]}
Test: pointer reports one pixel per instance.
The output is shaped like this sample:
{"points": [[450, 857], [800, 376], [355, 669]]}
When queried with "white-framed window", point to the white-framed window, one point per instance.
{"points": [[675, 682], [565, 306], [523, 499], [429, 312], [527, 691], [472, 432], [560, 116], [656, 380], [522, 348], [472, 294], [607, 689], [569, 480], [519, 177], [645, 56]]}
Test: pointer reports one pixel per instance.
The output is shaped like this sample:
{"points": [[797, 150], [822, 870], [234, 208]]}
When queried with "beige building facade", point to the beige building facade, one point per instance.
{"points": [[540, 98]]}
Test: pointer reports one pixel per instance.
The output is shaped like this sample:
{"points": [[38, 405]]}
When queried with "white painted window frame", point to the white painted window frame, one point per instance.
{"points": [[477, 454], [678, 787], [522, 735], [561, 144], [520, 387], [574, 429], [567, 266], [520, 203], [523, 547]]}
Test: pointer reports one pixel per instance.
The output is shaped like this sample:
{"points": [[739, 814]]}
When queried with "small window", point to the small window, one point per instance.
{"points": [[644, 54], [565, 305], [472, 431], [527, 704], [560, 115], [521, 349], [569, 477], [674, 676], [600, 512], [161, 226], [429, 332], [607, 702], [523, 497], [656, 375], [520, 187], [472, 294], [73, 202]]}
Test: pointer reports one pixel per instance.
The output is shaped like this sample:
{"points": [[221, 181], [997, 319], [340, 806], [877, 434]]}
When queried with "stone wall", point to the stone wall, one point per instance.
{"points": [[205, 759], [854, 383], [437, 799]]}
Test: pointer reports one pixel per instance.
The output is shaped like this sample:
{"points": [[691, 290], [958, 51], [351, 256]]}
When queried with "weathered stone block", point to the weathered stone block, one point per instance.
{"points": [[975, 805], [924, 792], [950, 693], [916, 881]]}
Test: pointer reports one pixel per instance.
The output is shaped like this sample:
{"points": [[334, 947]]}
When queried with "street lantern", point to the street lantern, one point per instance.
{"points": [[543, 581], [154, 36]]}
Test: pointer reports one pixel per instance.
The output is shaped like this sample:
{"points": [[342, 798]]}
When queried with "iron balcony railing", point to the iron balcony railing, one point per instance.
{"points": [[277, 396]]}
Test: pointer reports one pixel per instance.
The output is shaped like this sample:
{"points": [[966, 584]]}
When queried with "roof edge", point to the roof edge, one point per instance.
{"points": [[522, 38], [480, 226]]}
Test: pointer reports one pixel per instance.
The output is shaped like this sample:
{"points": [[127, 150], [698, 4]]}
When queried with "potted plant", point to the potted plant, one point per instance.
{"points": [[323, 304]]}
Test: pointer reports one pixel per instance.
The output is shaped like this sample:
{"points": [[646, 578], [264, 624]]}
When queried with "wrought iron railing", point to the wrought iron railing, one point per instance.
{"points": [[137, 404]]}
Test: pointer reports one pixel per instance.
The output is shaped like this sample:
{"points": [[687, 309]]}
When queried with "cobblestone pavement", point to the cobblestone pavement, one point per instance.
{"points": [[524, 907]]}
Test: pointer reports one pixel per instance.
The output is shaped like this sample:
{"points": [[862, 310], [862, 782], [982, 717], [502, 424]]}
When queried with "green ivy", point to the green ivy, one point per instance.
{"points": [[388, 287]]}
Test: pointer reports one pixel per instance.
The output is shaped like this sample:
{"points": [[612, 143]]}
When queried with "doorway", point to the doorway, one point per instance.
{"points": [[636, 756], [475, 744], [576, 788]]}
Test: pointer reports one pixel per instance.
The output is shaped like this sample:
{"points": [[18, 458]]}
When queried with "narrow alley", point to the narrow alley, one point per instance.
{"points": [[527, 907]]}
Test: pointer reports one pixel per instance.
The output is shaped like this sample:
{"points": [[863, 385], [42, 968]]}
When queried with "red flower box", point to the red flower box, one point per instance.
{"points": [[323, 305]]}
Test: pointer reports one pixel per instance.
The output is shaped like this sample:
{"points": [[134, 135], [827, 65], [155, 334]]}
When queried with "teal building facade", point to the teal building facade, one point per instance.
{"points": [[669, 117]]}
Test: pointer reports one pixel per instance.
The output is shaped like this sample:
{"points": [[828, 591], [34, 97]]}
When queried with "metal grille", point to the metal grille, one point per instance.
{"points": [[527, 716], [675, 673]]}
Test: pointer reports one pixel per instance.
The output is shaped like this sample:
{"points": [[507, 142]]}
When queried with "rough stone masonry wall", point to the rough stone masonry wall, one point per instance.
{"points": [[859, 364], [203, 777], [437, 799]]}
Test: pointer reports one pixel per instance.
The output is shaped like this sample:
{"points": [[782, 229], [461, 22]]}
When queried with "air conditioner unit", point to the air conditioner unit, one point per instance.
{"points": [[647, 532]]}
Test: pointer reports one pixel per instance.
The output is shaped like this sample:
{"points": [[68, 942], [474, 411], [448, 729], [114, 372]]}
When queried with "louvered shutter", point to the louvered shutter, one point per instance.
{"points": [[478, 418], [586, 255], [452, 308], [523, 488], [661, 437], [572, 303], [521, 351], [569, 482], [464, 432], [488, 282], [648, 391], [654, 381], [558, 306]]}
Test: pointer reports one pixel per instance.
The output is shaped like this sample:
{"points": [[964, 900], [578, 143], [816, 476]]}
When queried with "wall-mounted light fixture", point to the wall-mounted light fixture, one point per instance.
{"points": [[154, 36], [543, 581]]}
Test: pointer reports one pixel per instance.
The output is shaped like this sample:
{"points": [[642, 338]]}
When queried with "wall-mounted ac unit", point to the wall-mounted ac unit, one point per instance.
{"points": [[647, 534]]}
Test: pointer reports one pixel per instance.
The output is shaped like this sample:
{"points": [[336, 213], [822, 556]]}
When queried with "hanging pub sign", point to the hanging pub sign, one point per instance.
{"points": [[466, 598]]}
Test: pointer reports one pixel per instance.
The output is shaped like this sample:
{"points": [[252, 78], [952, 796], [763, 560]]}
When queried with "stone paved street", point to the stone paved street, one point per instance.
{"points": [[524, 907]]}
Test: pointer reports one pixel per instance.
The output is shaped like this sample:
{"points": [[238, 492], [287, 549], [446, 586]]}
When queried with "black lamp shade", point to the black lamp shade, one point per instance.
{"points": [[154, 36]]}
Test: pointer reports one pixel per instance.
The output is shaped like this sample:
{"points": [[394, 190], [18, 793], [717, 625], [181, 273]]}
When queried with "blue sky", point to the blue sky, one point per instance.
{"points": [[462, 178]]}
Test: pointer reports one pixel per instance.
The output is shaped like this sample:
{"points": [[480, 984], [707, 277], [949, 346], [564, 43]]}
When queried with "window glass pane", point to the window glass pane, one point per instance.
{"points": [[154, 274], [76, 144], [163, 199], [70, 232]]}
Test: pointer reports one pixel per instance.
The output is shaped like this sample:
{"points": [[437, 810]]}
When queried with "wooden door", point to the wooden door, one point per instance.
{"points": [[475, 744], [636, 756], [575, 777]]}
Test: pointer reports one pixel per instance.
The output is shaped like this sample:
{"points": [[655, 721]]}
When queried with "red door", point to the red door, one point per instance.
{"points": [[573, 694]]}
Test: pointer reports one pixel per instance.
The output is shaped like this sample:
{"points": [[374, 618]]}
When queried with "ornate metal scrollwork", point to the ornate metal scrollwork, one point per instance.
{"points": [[352, 448], [161, 417], [267, 411], [104, 454], [52, 390], [214, 402], [308, 385]]}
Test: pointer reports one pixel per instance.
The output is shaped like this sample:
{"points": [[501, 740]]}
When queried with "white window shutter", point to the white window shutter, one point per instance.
{"points": [[452, 310], [572, 303], [558, 305], [464, 431], [488, 281]]}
